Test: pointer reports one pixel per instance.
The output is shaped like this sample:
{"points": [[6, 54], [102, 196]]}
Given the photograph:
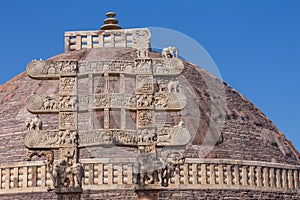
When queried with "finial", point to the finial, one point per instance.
{"points": [[110, 23]]}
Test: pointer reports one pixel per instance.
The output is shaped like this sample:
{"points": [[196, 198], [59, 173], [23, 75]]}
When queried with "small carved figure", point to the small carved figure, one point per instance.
{"points": [[173, 86], [144, 100], [68, 102], [34, 123], [162, 85], [170, 52], [49, 103]]}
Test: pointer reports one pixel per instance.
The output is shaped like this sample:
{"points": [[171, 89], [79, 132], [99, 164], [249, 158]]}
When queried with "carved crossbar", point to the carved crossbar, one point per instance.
{"points": [[107, 174]]}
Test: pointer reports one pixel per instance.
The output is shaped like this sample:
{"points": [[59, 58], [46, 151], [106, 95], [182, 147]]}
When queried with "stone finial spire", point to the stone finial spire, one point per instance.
{"points": [[110, 23]]}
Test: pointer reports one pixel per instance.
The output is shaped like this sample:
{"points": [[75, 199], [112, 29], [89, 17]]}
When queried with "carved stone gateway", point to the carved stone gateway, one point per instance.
{"points": [[157, 90]]}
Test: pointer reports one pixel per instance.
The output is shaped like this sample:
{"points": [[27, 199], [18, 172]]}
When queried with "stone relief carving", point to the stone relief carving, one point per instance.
{"points": [[171, 160], [67, 85], [107, 137], [68, 102], [67, 171], [170, 52], [169, 96], [143, 66], [146, 136], [34, 123], [68, 67], [41, 104], [173, 136], [167, 67], [67, 120], [144, 101], [42, 139], [145, 118], [50, 68], [144, 84], [141, 41]]}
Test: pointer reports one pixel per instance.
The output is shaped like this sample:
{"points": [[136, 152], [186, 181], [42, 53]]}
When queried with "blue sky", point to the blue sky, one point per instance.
{"points": [[255, 43]]}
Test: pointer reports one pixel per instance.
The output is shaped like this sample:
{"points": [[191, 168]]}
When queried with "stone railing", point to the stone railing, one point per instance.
{"points": [[107, 174], [78, 40], [24, 177]]}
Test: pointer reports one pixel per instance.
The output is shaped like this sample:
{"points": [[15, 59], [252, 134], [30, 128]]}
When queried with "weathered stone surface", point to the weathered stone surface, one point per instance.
{"points": [[243, 133], [247, 133]]}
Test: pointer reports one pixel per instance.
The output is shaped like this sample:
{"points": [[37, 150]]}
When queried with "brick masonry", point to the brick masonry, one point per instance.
{"points": [[247, 134]]}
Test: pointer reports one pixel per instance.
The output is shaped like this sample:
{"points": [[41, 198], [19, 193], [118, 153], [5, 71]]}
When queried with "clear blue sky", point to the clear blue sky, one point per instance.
{"points": [[255, 43]]}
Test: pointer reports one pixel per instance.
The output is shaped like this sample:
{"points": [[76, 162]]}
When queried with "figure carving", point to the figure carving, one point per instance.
{"points": [[145, 118], [73, 176], [145, 100], [170, 52], [173, 86], [34, 123], [144, 83], [49, 103], [68, 102], [67, 137], [171, 160], [68, 67], [68, 85]]}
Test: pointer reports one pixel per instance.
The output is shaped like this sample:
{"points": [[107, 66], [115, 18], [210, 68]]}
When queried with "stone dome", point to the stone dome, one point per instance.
{"points": [[230, 148]]}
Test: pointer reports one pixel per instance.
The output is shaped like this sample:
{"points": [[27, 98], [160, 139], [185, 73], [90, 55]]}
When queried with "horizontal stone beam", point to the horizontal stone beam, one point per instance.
{"points": [[50, 69]]}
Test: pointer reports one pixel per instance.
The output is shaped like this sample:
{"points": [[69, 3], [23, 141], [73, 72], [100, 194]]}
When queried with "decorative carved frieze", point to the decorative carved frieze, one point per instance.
{"points": [[108, 137], [51, 69], [43, 139]]}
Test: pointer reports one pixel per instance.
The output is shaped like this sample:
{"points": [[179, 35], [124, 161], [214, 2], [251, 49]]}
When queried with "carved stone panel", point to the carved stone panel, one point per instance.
{"points": [[145, 118], [144, 84], [68, 103], [143, 66], [67, 86], [43, 69], [68, 120]]}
